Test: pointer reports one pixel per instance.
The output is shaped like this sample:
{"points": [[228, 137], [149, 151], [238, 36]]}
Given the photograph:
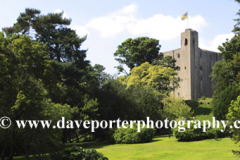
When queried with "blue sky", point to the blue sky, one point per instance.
{"points": [[108, 23]]}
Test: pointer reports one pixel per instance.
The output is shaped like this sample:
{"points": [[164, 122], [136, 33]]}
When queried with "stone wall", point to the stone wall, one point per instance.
{"points": [[195, 67], [207, 60]]}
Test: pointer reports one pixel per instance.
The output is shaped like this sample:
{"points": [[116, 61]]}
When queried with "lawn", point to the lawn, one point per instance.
{"points": [[165, 148], [201, 111]]}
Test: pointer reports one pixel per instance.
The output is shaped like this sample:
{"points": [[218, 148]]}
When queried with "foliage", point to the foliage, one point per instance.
{"points": [[226, 72], [130, 135], [115, 101], [235, 64], [174, 108], [74, 78], [146, 103], [166, 61], [134, 52], [156, 76], [195, 134], [234, 115], [203, 98], [202, 111], [23, 97], [220, 76], [226, 76], [49, 29], [221, 104], [77, 153], [136, 102]]}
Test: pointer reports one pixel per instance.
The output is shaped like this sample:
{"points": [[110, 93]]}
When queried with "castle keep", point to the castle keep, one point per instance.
{"points": [[195, 67]]}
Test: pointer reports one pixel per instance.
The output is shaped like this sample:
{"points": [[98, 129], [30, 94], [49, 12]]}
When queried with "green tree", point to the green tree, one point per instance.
{"points": [[161, 78], [221, 76], [146, 103], [166, 61], [74, 76], [175, 108], [134, 52], [24, 68], [225, 74], [222, 103], [233, 116]]}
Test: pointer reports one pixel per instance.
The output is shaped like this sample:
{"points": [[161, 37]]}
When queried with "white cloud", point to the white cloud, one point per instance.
{"points": [[117, 22], [213, 44], [80, 30], [165, 27], [59, 11], [158, 26]]}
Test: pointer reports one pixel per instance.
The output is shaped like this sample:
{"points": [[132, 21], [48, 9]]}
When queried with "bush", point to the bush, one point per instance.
{"points": [[174, 108], [130, 135], [233, 115], [109, 135], [77, 153], [203, 98], [196, 134]]}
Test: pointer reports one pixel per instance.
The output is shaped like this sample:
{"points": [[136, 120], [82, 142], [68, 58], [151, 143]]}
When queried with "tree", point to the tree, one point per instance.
{"points": [[134, 52], [146, 102], [225, 74], [161, 78], [175, 108], [233, 116], [24, 68], [74, 76], [221, 76], [236, 26], [166, 61], [222, 103]]}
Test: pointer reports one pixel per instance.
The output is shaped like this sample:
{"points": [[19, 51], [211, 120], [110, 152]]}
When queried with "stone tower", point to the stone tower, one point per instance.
{"points": [[195, 67]]}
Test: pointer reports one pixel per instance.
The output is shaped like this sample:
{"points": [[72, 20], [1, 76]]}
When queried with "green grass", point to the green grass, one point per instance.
{"points": [[201, 111], [165, 148]]}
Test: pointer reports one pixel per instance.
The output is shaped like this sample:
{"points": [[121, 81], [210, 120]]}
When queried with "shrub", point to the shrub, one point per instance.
{"points": [[130, 135], [196, 134], [174, 108], [203, 98], [109, 135], [77, 153], [233, 115]]}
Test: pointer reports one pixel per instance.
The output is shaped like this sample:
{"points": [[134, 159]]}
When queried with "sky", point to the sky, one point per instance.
{"points": [[108, 23]]}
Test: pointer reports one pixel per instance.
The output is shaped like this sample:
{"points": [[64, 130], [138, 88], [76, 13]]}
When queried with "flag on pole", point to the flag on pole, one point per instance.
{"points": [[185, 16]]}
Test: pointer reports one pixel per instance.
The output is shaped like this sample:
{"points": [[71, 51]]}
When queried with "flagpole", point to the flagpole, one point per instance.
{"points": [[188, 21]]}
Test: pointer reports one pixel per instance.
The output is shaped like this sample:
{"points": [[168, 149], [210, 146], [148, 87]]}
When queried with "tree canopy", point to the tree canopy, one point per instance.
{"points": [[163, 79], [134, 52], [25, 67]]}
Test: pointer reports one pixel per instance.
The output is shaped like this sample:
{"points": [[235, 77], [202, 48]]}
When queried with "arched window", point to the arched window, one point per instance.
{"points": [[186, 42], [178, 55]]}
